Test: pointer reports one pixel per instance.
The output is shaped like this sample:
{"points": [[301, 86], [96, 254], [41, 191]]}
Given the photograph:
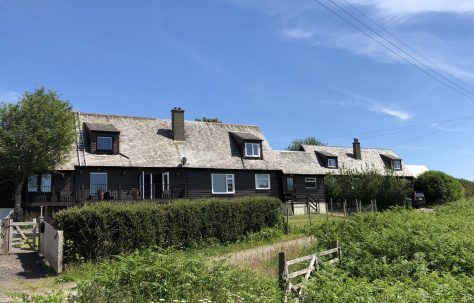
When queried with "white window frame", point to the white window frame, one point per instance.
{"points": [[308, 180], [107, 137], [335, 163], [400, 165], [260, 175], [253, 144], [227, 178]]}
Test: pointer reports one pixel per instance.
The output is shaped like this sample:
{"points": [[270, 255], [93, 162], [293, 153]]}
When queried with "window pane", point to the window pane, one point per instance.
{"points": [[219, 183], [46, 183], [262, 181], [289, 184], [104, 143], [396, 164], [230, 185], [33, 183], [331, 162], [98, 182], [310, 182], [252, 149]]}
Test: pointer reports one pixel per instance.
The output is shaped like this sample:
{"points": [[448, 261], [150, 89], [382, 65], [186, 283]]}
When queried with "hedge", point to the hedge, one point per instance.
{"points": [[105, 229], [439, 187]]}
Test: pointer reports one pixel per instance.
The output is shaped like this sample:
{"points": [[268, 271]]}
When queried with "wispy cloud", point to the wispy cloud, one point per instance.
{"points": [[382, 109], [402, 7], [296, 33]]}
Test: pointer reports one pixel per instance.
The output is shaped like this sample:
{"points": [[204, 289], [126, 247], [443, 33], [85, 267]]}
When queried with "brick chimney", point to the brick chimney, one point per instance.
{"points": [[177, 124], [356, 149]]}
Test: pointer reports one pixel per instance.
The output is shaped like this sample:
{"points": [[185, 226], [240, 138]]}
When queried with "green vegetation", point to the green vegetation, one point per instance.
{"points": [[439, 187], [468, 188], [106, 229], [304, 221], [367, 185], [400, 256], [296, 144], [36, 134]]}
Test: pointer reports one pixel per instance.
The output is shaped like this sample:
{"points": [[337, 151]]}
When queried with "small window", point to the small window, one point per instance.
{"points": [[46, 183], [33, 183], [98, 182], [252, 150], [332, 163], [396, 164], [104, 143], [262, 181], [310, 182], [223, 184]]}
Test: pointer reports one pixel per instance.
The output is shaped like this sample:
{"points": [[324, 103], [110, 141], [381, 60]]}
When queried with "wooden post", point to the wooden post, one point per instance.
{"points": [[331, 208], [282, 270], [119, 196], [357, 206], [309, 214], [10, 236], [34, 234], [345, 208], [375, 202], [293, 206], [327, 212], [287, 220]]}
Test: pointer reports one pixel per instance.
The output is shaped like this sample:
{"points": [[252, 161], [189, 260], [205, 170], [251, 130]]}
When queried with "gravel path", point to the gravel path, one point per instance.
{"points": [[20, 266]]}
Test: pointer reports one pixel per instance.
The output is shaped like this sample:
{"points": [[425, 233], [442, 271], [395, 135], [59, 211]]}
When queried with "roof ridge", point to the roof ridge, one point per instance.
{"points": [[338, 146]]}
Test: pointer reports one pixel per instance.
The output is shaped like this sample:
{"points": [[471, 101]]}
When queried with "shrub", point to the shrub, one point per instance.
{"points": [[105, 229], [468, 187], [439, 187], [367, 185]]}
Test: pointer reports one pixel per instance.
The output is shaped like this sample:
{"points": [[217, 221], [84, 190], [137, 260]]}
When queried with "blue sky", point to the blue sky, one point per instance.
{"points": [[290, 66]]}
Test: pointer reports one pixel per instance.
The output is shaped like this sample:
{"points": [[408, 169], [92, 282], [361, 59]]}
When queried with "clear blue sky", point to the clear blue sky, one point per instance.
{"points": [[289, 66]]}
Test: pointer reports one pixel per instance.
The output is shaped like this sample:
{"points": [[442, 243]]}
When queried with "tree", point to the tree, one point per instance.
{"points": [[36, 135], [205, 119], [296, 144]]}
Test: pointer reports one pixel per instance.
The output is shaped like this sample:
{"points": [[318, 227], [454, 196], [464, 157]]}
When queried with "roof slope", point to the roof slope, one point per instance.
{"points": [[371, 158], [147, 142]]}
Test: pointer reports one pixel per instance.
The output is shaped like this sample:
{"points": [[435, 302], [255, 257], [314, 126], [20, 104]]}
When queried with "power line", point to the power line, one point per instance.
{"points": [[406, 45], [393, 52]]}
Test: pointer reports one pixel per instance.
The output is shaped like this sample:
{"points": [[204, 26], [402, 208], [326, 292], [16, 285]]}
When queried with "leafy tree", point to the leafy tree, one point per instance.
{"points": [[205, 119], [468, 187], [439, 187], [36, 135], [297, 143]]}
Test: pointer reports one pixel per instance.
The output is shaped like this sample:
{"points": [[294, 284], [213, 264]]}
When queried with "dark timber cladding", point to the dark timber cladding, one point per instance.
{"points": [[95, 130]]}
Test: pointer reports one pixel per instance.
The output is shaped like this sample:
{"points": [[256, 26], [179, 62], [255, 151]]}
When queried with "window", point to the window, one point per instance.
{"points": [[104, 143], [223, 184], [332, 163], [310, 182], [289, 184], [99, 182], [33, 183], [39, 183], [252, 150], [396, 164], [262, 181]]}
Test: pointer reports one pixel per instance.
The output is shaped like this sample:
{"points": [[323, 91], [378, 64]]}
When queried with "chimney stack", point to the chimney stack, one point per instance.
{"points": [[356, 149], [177, 124]]}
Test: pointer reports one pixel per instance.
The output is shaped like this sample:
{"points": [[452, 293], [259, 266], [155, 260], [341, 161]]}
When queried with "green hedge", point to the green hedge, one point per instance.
{"points": [[439, 187], [105, 229]]}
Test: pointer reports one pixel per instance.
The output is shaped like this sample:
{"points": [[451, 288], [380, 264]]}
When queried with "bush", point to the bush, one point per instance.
{"points": [[468, 187], [367, 185], [439, 187], [105, 229]]}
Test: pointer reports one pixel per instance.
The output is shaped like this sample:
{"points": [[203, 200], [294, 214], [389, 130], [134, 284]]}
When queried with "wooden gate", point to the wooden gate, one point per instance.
{"points": [[18, 237]]}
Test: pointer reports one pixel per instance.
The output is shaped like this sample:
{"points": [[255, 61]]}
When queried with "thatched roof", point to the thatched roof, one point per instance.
{"points": [[148, 142], [371, 158]]}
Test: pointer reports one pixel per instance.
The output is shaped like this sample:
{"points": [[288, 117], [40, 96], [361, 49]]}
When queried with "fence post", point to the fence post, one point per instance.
{"points": [[309, 214], [10, 235], [345, 208], [282, 270], [357, 206], [331, 208], [119, 192], [287, 220], [375, 202]]}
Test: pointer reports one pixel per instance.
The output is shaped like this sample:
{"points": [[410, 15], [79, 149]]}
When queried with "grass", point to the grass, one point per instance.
{"points": [[314, 219]]}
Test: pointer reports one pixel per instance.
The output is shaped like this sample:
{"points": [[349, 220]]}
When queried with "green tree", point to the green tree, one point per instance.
{"points": [[205, 119], [297, 143], [36, 135]]}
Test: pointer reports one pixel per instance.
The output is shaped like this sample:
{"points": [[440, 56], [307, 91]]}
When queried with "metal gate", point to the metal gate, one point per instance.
{"points": [[17, 237]]}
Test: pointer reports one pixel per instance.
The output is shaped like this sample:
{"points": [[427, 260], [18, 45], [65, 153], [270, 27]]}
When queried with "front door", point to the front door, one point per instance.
{"points": [[290, 186]]}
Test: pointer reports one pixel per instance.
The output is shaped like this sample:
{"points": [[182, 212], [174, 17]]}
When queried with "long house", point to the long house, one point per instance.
{"points": [[136, 158]]}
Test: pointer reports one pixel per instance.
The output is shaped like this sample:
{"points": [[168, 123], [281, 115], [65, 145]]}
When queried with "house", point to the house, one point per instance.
{"points": [[136, 158]]}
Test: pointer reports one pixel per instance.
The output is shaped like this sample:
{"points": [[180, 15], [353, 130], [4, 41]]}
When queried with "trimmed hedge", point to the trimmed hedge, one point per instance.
{"points": [[439, 187], [105, 229]]}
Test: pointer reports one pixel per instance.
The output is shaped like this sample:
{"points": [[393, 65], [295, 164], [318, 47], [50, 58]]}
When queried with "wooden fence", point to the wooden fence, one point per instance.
{"points": [[286, 276]]}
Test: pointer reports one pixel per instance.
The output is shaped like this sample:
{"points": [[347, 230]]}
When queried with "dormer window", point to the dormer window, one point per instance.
{"points": [[252, 150], [397, 164], [332, 163], [104, 143]]}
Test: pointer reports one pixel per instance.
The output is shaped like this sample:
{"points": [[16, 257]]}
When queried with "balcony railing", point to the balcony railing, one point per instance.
{"points": [[106, 192]]}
